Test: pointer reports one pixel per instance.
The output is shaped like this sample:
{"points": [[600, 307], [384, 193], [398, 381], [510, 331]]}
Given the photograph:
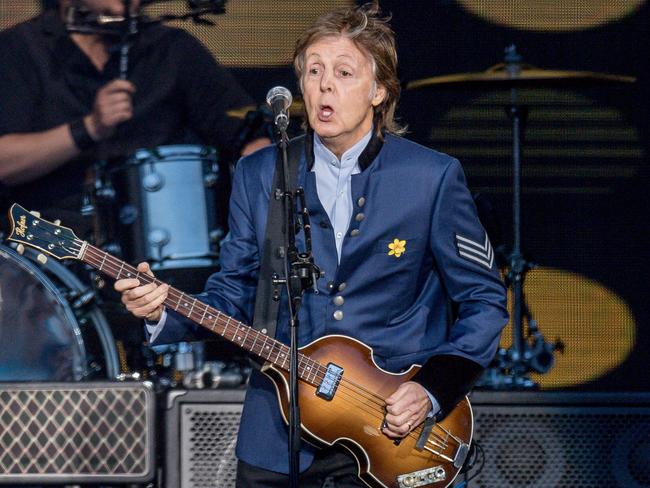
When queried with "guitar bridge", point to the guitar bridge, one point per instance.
{"points": [[330, 383], [422, 478]]}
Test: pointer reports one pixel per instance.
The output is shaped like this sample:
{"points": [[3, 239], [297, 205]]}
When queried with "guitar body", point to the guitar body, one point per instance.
{"points": [[353, 420]]}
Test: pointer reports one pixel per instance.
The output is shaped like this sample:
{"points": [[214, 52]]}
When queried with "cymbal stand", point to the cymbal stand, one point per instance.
{"points": [[517, 115], [521, 355]]}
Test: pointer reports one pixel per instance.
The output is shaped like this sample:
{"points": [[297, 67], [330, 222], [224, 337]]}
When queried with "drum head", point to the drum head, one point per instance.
{"points": [[39, 336]]}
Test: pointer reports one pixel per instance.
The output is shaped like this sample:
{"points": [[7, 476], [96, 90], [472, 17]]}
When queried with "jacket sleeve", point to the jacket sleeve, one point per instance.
{"points": [[465, 261], [231, 289]]}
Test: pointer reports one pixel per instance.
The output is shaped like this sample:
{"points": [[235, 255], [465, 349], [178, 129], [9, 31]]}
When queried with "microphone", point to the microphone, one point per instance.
{"points": [[279, 99]]}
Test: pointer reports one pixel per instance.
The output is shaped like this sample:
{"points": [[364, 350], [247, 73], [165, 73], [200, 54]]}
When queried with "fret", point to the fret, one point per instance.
{"points": [[178, 301], [101, 265], [246, 330], [225, 328], [120, 270], [287, 359], [255, 336], [301, 366], [205, 310], [266, 349], [192, 308], [313, 372], [236, 337], [127, 271], [277, 359], [211, 318]]}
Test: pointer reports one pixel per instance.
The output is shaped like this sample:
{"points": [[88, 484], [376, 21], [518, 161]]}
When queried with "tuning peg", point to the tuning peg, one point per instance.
{"points": [[35, 213], [57, 222], [41, 258], [20, 249]]}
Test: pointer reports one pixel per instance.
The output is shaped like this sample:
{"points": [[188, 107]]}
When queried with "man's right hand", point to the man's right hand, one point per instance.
{"points": [[143, 301], [113, 105]]}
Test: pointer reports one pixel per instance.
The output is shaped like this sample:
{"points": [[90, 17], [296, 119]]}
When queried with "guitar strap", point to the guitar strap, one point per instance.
{"points": [[272, 259]]}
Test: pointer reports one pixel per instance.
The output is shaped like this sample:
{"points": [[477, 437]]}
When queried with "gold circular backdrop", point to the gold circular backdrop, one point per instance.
{"points": [[551, 15]]}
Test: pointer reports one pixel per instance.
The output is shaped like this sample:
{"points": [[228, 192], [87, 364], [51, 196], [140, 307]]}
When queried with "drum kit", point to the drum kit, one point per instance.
{"points": [[159, 206]]}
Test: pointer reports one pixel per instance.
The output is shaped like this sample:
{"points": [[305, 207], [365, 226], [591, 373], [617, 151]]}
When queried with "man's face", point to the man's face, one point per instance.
{"points": [[339, 92]]}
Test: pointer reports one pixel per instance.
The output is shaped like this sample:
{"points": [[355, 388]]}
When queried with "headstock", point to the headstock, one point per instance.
{"points": [[31, 230]]}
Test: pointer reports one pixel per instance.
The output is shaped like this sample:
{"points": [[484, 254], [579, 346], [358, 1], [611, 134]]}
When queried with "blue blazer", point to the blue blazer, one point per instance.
{"points": [[395, 302]]}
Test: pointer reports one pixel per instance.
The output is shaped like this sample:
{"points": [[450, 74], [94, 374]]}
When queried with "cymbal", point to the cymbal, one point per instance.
{"points": [[295, 111], [498, 76]]}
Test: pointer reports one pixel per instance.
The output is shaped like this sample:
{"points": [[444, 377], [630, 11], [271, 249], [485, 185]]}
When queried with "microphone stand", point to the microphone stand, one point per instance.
{"points": [[300, 273]]}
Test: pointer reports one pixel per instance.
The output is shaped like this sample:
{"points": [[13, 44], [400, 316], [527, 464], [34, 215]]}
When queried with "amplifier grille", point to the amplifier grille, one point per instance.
{"points": [[80, 432]]}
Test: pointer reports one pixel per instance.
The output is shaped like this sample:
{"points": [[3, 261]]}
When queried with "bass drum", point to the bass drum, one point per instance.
{"points": [[50, 329]]}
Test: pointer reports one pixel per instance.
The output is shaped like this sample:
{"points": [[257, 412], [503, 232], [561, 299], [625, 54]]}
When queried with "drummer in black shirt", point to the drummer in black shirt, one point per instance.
{"points": [[63, 106], [63, 109]]}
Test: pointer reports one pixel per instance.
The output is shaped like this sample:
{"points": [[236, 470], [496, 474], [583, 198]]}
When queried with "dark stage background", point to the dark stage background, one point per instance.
{"points": [[585, 159]]}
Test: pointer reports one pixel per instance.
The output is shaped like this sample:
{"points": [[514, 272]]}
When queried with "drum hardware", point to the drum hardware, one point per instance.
{"points": [[215, 374], [184, 364], [529, 352], [81, 20], [541, 357], [51, 327], [129, 377], [98, 202], [79, 299], [153, 181]]}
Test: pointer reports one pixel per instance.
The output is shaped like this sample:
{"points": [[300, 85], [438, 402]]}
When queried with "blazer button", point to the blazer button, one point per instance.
{"points": [[355, 232], [330, 286], [338, 315], [338, 300], [342, 286], [360, 217], [361, 202]]}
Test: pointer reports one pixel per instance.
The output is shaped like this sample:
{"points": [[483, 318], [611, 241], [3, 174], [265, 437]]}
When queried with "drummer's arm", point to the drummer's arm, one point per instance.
{"points": [[27, 156]]}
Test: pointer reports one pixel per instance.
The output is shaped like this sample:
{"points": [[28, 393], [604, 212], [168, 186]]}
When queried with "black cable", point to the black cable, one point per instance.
{"points": [[477, 450]]}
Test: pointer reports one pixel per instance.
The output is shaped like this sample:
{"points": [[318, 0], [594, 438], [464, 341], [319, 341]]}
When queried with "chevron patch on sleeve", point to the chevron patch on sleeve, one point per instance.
{"points": [[482, 254]]}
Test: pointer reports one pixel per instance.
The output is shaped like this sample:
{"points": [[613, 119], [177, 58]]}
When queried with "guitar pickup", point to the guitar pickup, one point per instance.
{"points": [[330, 383]]}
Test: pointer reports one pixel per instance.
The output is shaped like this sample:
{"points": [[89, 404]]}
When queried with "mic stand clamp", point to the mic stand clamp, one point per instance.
{"points": [[300, 274]]}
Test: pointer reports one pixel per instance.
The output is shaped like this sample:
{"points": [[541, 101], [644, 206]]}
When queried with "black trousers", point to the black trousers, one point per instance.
{"points": [[332, 468]]}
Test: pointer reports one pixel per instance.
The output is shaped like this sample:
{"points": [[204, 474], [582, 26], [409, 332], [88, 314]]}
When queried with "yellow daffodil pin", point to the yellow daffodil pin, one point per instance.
{"points": [[397, 248]]}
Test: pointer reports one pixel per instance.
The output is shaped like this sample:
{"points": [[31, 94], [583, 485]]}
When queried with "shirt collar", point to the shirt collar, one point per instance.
{"points": [[348, 158]]}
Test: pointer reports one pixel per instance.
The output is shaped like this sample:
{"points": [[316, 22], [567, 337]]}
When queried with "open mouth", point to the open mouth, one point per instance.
{"points": [[325, 112]]}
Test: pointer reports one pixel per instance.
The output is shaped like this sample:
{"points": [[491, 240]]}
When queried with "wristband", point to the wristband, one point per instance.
{"points": [[80, 135]]}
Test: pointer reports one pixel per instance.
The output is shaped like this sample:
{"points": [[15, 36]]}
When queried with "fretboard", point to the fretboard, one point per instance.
{"points": [[209, 317]]}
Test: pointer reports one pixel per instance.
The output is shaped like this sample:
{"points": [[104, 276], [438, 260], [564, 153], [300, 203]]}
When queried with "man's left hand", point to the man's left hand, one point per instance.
{"points": [[406, 408]]}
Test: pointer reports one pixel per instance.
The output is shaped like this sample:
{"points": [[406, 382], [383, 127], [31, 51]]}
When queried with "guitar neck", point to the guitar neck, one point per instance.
{"points": [[206, 316]]}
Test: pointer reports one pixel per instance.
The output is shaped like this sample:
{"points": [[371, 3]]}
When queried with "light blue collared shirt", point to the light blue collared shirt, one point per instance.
{"points": [[333, 184]]}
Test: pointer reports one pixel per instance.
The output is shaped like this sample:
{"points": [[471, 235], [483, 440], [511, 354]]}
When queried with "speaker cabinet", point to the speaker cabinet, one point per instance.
{"points": [[201, 434], [563, 440], [76, 432]]}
